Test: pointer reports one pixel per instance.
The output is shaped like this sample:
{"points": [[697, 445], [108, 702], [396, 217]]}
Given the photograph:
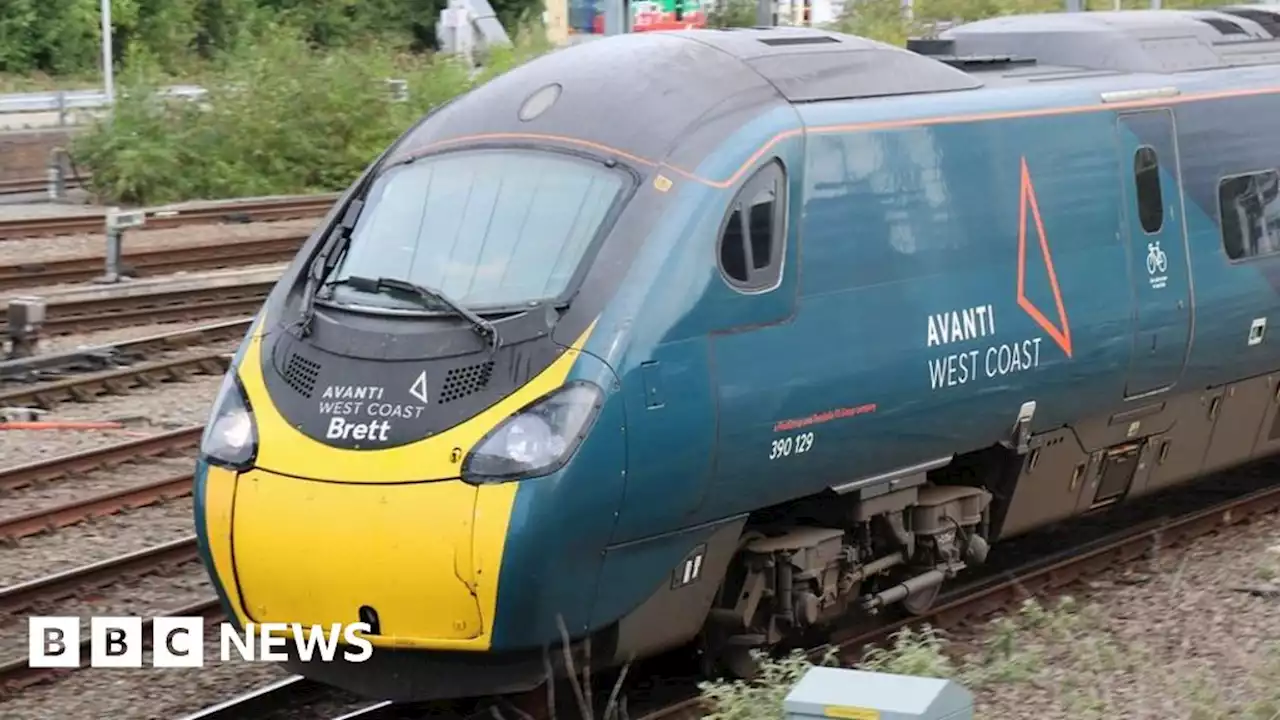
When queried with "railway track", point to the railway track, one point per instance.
{"points": [[66, 467], [147, 263], [53, 366], [996, 590], [188, 304], [109, 503], [23, 186], [999, 590], [63, 466], [52, 588], [87, 387], [290, 692], [238, 211], [15, 674]]}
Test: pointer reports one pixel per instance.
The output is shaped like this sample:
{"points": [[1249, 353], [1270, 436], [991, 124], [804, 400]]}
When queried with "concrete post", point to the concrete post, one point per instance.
{"points": [[57, 174], [26, 317]]}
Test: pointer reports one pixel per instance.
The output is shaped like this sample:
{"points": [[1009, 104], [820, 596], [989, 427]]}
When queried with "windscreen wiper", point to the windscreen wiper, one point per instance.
{"points": [[337, 241], [483, 327], [324, 263]]}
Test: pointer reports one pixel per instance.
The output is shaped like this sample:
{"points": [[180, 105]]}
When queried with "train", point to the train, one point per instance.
{"points": [[708, 339]]}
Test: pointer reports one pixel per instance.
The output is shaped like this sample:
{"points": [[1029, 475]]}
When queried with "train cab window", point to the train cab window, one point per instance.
{"points": [[492, 228], [1249, 209], [1146, 177], [753, 238]]}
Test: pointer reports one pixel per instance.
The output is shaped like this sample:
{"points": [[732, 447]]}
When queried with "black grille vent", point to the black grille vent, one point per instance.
{"points": [[301, 374], [463, 381]]}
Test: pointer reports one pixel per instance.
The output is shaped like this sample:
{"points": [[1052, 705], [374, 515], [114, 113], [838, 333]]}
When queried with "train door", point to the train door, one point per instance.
{"points": [[1157, 244], [753, 302]]}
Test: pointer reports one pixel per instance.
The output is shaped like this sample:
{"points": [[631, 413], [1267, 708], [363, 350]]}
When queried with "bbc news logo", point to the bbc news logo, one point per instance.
{"points": [[176, 641]]}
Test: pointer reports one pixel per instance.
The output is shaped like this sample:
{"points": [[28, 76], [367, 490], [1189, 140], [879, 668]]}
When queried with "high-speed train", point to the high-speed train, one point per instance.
{"points": [[713, 336]]}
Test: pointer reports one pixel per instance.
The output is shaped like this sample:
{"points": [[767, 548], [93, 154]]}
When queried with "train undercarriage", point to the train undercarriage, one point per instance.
{"points": [[895, 540], [810, 563]]}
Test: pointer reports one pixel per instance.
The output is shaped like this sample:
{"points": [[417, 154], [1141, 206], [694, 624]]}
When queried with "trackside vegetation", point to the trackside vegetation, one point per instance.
{"points": [[297, 105], [43, 38], [1059, 653], [280, 117]]}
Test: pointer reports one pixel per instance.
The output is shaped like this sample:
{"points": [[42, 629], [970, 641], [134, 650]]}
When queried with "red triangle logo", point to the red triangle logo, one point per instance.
{"points": [[1060, 333]]}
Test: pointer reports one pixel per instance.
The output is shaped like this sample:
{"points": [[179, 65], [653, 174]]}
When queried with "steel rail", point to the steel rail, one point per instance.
{"points": [[237, 211], [151, 262], [86, 461], [376, 711], [77, 316], [296, 690], [24, 186], [16, 673], [262, 700], [46, 366], [101, 505], [84, 388], [71, 582]]}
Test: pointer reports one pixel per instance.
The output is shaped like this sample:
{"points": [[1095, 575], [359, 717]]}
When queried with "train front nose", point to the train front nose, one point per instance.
{"points": [[402, 557], [412, 538]]}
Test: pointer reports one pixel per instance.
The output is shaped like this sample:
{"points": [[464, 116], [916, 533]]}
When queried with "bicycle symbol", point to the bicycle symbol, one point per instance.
{"points": [[1157, 261]]}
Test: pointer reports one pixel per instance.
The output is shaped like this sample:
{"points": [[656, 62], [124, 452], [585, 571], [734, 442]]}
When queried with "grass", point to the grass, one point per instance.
{"points": [[41, 82]]}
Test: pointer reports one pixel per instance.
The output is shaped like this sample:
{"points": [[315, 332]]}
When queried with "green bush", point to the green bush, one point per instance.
{"points": [[63, 37], [279, 118]]}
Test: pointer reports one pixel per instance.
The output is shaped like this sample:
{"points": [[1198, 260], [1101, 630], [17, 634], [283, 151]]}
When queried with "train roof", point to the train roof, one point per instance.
{"points": [[1127, 41], [806, 64], [674, 94]]}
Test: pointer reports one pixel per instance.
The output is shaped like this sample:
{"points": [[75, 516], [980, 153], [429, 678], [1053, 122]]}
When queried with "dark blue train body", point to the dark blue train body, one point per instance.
{"points": [[759, 327]]}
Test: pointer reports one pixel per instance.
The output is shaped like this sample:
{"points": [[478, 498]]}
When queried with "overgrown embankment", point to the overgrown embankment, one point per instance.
{"points": [[280, 117]]}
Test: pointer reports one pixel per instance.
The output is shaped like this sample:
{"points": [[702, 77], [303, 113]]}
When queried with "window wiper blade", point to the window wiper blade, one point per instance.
{"points": [[482, 327], [324, 262]]}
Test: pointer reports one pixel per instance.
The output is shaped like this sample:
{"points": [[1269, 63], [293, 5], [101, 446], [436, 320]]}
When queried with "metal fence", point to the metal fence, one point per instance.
{"points": [[64, 101], [68, 103]]}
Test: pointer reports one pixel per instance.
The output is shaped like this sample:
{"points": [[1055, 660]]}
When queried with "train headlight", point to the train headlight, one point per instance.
{"points": [[537, 440], [231, 436]]}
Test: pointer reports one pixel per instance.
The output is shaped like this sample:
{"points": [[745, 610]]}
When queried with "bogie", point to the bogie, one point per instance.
{"points": [[793, 575]]}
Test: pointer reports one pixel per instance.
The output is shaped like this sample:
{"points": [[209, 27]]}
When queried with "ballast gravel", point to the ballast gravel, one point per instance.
{"points": [[47, 495], [148, 411], [144, 412], [145, 693], [144, 595], [1192, 632], [95, 540]]}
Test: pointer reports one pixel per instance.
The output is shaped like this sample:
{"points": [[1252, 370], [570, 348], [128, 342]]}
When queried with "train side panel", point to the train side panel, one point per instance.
{"points": [[1230, 293], [928, 305]]}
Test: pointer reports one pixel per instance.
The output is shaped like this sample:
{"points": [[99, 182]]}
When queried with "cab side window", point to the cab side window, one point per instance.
{"points": [[753, 237]]}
